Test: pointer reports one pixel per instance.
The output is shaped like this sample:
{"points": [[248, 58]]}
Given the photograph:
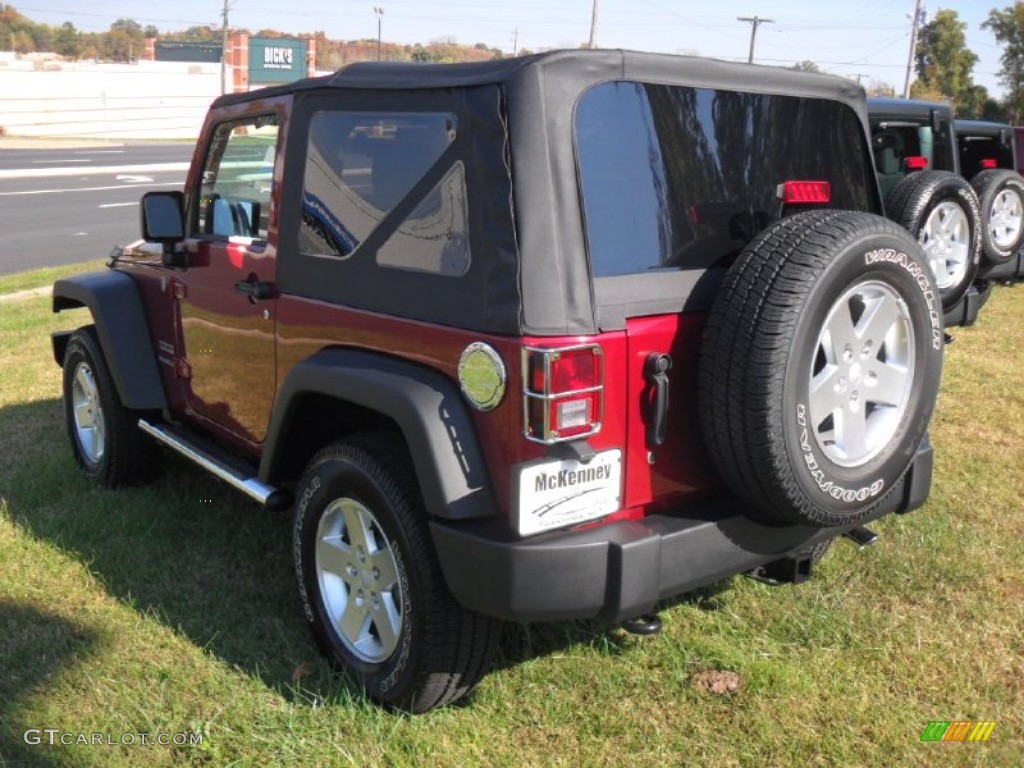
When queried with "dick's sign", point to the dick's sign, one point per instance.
{"points": [[276, 60]]}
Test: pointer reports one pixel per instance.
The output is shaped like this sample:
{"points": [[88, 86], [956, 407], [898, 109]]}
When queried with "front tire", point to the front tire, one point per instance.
{"points": [[104, 434], [371, 584]]}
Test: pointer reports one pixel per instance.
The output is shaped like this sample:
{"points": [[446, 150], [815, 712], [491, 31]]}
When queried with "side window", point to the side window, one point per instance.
{"points": [[360, 165], [237, 180]]}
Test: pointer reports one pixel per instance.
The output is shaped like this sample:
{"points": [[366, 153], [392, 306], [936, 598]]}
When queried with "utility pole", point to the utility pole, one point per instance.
{"points": [[593, 25], [913, 46], [224, 49], [380, 15], [755, 22], [515, 42]]}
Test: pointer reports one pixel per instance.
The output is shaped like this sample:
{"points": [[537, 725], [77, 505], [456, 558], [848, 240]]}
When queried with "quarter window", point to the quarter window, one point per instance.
{"points": [[360, 166]]}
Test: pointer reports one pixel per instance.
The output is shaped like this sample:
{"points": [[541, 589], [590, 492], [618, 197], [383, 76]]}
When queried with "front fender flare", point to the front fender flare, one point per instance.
{"points": [[425, 405], [120, 319]]}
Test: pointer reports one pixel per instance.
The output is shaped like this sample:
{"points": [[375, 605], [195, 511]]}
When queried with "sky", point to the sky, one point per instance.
{"points": [[865, 38]]}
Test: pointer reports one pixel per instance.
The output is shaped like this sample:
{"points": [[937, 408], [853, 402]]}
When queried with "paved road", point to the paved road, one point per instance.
{"points": [[65, 205]]}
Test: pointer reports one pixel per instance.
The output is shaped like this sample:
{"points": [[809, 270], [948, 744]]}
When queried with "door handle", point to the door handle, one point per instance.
{"points": [[257, 290]]}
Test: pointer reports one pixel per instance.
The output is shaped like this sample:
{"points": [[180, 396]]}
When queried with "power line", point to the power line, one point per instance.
{"points": [[755, 22]]}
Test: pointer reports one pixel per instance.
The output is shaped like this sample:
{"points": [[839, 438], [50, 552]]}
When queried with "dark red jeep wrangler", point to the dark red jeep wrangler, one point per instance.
{"points": [[556, 337]]}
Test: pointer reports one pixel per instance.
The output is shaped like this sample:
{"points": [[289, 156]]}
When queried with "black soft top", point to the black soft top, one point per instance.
{"points": [[572, 66], [546, 260], [909, 108], [982, 128]]}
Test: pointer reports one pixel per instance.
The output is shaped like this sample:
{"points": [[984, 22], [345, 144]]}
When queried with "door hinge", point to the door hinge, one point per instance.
{"points": [[182, 368], [180, 290]]}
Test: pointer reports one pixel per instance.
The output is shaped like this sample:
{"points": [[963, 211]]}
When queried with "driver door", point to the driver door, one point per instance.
{"points": [[226, 303]]}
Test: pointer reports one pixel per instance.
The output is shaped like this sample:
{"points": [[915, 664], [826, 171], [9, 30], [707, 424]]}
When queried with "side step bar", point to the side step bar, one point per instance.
{"points": [[267, 495]]}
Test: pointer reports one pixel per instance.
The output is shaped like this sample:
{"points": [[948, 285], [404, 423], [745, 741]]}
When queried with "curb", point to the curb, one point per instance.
{"points": [[31, 293]]}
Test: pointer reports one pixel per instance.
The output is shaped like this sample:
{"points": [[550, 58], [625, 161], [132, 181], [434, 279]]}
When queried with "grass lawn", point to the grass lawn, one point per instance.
{"points": [[173, 609]]}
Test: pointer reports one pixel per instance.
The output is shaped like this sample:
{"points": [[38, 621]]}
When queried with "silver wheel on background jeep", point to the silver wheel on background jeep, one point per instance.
{"points": [[946, 237]]}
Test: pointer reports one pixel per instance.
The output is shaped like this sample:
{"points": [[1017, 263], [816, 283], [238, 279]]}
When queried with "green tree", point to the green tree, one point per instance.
{"points": [[806, 66], [67, 43], [881, 88], [125, 41], [944, 63], [973, 105], [1007, 25], [994, 111], [22, 42]]}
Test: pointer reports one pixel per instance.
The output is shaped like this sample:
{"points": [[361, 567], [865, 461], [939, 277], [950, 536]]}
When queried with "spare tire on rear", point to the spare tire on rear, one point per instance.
{"points": [[1001, 199], [940, 209], [820, 366]]}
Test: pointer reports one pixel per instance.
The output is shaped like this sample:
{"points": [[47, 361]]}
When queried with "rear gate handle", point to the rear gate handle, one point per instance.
{"points": [[656, 370]]}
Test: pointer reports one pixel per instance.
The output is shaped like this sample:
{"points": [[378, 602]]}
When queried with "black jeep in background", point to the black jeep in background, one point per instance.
{"points": [[988, 155], [953, 184]]}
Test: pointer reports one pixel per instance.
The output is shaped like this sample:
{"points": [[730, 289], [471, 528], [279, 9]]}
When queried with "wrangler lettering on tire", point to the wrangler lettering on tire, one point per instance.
{"points": [[820, 366]]}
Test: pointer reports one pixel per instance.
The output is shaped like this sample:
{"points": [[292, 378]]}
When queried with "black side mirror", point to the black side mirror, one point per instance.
{"points": [[163, 221]]}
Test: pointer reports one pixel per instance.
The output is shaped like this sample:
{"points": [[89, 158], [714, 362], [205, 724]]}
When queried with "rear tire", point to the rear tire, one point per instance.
{"points": [[371, 584], [104, 434], [940, 209], [820, 367], [1001, 200]]}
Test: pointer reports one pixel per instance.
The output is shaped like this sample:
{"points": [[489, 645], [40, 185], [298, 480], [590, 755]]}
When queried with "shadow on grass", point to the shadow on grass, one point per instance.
{"points": [[186, 550], [209, 564], [523, 642], [34, 648]]}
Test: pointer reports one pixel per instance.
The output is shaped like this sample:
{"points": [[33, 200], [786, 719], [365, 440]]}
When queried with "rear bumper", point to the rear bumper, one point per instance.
{"points": [[1011, 269], [622, 570]]}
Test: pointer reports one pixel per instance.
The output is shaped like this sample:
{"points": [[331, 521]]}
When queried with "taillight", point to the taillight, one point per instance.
{"points": [[804, 192], [563, 392], [988, 163], [916, 163]]}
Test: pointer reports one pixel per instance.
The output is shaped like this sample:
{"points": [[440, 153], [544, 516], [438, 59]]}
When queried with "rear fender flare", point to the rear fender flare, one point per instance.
{"points": [[426, 406]]}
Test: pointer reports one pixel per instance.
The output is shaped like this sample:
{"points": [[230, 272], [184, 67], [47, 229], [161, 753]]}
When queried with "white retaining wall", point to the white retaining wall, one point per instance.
{"points": [[147, 100]]}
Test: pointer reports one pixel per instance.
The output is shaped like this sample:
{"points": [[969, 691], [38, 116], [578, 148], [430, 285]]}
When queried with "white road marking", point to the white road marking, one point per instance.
{"points": [[133, 179], [63, 160], [100, 152], [39, 173], [119, 205], [92, 189]]}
